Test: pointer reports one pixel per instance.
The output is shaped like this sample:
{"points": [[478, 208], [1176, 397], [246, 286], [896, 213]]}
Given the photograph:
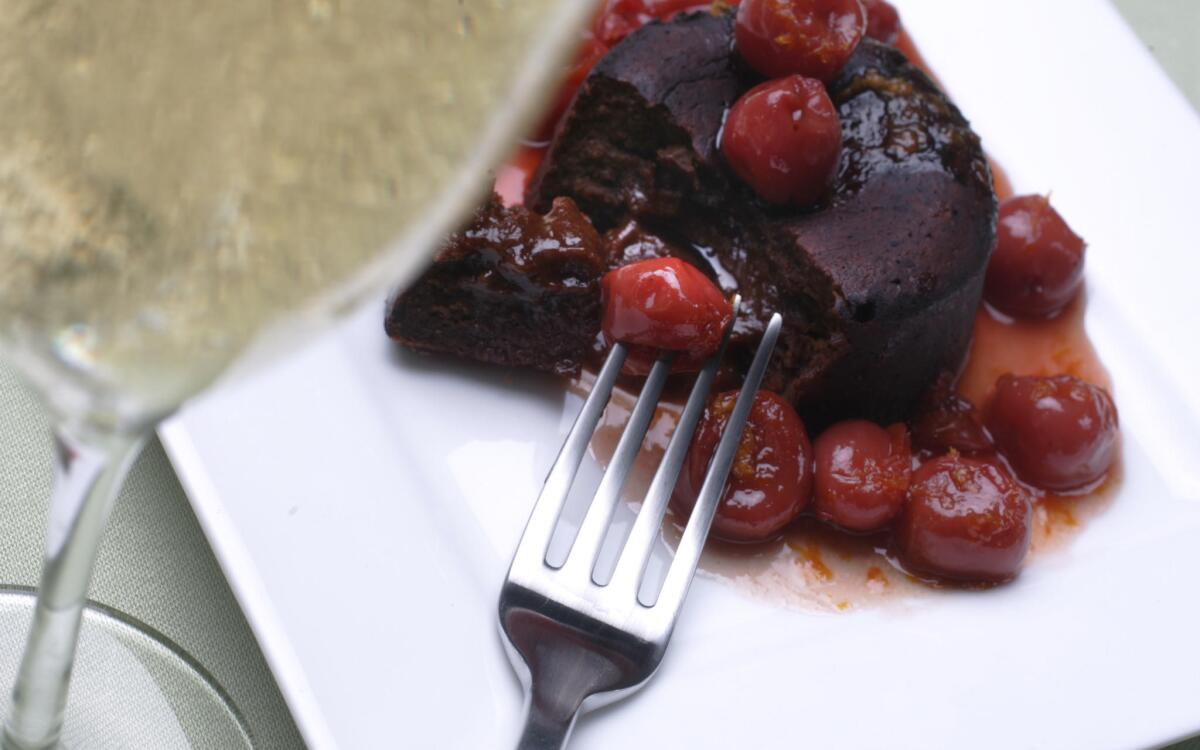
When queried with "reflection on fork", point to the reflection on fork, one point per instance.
{"points": [[577, 643]]}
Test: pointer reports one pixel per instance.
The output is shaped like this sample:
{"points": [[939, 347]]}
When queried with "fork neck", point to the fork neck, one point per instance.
{"points": [[549, 720]]}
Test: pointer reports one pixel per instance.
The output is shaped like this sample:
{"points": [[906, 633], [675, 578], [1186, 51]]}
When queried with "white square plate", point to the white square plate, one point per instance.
{"points": [[365, 504]]}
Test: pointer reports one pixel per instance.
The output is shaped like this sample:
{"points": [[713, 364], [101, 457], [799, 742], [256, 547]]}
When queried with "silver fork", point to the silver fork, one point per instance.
{"points": [[578, 644]]}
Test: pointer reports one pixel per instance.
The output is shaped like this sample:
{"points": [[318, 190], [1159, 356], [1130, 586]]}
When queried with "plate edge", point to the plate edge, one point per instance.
{"points": [[248, 588]]}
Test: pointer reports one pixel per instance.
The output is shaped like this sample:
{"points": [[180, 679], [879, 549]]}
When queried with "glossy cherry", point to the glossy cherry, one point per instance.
{"points": [[784, 138], [771, 479], [883, 21], [664, 304], [861, 474], [814, 38], [946, 421], [1058, 433], [965, 520], [1037, 266]]}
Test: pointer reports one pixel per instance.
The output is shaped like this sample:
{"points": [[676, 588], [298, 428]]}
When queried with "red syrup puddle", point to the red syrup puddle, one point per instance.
{"points": [[513, 177], [811, 566], [1042, 347]]}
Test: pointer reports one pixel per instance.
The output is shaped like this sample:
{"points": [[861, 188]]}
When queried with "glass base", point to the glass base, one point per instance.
{"points": [[131, 688]]}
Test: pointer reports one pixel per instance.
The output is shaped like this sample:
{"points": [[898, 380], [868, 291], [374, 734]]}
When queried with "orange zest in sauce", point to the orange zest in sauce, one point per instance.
{"points": [[808, 557], [877, 580]]}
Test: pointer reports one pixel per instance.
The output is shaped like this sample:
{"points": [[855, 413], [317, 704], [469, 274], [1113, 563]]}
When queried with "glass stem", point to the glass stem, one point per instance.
{"points": [[88, 473]]}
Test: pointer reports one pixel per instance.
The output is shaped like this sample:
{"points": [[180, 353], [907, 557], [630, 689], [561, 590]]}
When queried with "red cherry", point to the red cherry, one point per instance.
{"points": [[862, 473], [771, 479], [620, 18], [965, 520], [945, 421], [1058, 433], [883, 21], [810, 37], [784, 138], [1037, 266], [664, 304]]}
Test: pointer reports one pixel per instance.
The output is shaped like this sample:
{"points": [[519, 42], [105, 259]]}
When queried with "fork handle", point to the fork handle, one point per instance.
{"points": [[548, 722]]}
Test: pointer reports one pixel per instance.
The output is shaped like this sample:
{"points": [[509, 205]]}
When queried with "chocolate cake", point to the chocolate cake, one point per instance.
{"points": [[514, 288], [878, 284]]}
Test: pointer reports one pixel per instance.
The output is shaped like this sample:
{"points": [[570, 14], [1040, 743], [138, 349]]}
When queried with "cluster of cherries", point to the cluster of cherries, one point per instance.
{"points": [[783, 137], [954, 488]]}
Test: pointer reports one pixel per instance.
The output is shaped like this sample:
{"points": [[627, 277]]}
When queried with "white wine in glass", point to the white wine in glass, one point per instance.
{"points": [[187, 184]]}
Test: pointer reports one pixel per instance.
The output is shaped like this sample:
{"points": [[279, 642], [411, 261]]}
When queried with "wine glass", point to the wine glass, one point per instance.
{"points": [[184, 188]]}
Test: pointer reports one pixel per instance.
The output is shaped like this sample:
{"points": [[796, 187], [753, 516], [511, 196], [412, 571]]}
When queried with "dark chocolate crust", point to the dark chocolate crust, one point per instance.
{"points": [[513, 288], [878, 285]]}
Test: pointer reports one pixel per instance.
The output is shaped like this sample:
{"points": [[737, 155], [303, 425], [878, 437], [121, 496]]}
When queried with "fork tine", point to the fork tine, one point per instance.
{"points": [[535, 540], [581, 559], [635, 552], [687, 554]]}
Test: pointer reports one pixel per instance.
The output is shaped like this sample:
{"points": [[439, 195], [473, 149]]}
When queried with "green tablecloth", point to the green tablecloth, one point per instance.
{"points": [[1171, 30], [156, 565]]}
